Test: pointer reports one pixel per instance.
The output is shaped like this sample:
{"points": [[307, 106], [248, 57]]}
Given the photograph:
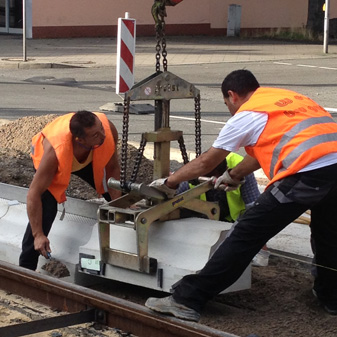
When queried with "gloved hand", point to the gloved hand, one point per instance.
{"points": [[227, 183], [160, 185]]}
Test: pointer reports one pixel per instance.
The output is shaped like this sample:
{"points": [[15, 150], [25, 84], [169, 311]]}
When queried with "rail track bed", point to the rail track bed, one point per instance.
{"points": [[280, 303], [79, 305], [16, 311]]}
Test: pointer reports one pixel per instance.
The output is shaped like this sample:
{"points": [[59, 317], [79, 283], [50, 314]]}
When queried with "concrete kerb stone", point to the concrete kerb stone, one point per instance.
{"points": [[32, 64], [182, 50]]}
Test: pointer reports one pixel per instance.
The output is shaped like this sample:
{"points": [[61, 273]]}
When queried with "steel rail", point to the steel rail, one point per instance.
{"points": [[119, 313]]}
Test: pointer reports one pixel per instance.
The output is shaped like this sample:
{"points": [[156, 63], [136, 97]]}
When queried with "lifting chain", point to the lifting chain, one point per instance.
{"points": [[124, 150], [197, 133], [197, 125], [183, 149], [161, 46], [138, 159], [161, 41], [160, 52]]}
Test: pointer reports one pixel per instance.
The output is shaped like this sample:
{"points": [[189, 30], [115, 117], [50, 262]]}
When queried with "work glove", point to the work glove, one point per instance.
{"points": [[227, 183], [160, 185]]}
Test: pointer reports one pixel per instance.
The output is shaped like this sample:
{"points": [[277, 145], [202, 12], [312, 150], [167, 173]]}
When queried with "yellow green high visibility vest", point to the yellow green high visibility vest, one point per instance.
{"points": [[235, 203]]}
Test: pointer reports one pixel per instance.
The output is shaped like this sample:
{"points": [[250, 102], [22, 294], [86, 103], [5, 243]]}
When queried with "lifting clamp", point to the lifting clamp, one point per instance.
{"points": [[141, 205]]}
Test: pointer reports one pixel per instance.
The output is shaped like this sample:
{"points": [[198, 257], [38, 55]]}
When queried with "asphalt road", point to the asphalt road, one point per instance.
{"points": [[43, 91]]}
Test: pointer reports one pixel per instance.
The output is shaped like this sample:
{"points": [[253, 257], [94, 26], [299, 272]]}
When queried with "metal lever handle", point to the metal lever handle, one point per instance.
{"points": [[141, 189]]}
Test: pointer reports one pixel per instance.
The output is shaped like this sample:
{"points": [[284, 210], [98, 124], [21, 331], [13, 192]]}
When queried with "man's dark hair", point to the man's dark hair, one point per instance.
{"points": [[81, 120], [240, 81]]}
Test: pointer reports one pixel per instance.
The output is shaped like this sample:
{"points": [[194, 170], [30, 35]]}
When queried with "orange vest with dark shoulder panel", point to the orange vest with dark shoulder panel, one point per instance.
{"points": [[59, 136], [298, 132]]}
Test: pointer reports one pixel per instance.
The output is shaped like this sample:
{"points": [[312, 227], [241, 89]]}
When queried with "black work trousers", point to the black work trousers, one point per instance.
{"points": [[29, 256], [279, 205]]}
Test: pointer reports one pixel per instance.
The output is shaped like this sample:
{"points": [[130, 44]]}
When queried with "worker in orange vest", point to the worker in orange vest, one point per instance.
{"points": [[294, 141], [82, 143]]}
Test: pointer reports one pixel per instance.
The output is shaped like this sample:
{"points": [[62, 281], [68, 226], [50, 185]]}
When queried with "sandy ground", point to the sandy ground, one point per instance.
{"points": [[279, 304], [16, 166]]}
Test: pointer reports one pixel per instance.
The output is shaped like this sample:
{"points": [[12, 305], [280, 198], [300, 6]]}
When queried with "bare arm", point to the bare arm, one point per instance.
{"points": [[113, 168], [200, 166], [41, 181], [245, 167]]}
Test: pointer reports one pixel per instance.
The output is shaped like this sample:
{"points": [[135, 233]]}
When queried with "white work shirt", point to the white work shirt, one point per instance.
{"points": [[245, 128]]}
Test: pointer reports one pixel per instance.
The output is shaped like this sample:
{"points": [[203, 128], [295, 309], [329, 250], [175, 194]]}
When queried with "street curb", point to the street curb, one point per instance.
{"points": [[26, 65]]}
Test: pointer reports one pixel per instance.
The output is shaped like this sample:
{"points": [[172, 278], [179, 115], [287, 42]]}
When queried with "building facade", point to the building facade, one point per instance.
{"points": [[87, 18]]}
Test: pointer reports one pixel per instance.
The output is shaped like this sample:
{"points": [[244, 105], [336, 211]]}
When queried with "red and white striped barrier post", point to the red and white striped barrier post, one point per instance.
{"points": [[126, 38]]}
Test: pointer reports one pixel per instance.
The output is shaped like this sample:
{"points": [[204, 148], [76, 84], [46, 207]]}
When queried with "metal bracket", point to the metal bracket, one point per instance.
{"points": [[141, 223], [162, 86]]}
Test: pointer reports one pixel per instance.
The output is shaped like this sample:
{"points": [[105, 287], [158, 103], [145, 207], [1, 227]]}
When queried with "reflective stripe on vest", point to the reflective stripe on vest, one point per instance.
{"points": [[331, 137], [302, 147]]}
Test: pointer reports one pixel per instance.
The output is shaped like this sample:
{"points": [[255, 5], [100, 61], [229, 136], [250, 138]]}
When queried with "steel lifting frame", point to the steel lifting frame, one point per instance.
{"points": [[129, 211]]}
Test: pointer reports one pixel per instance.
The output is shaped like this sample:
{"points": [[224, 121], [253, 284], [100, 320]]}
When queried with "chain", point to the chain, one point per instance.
{"points": [[197, 133], [158, 49], [164, 52], [124, 151], [138, 159], [161, 43], [183, 149], [197, 126]]}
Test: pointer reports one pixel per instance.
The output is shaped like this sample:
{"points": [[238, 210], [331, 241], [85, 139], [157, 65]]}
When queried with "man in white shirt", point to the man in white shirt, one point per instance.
{"points": [[294, 141]]}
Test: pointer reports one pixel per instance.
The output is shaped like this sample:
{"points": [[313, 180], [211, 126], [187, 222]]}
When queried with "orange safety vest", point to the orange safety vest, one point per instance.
{"points": [[298, 132], [59, 136]]}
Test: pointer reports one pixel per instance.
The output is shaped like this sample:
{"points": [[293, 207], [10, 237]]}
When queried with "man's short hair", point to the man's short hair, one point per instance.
{"points": [[240, 81], [81, 120]]}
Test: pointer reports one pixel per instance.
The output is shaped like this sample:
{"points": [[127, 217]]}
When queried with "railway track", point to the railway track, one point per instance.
{"points": [[86, 305]]}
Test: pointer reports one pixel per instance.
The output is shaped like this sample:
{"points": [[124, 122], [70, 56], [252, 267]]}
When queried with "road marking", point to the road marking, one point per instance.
{"points": [[304, 65], [284, 63], [329, 68], [331, 109]]}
